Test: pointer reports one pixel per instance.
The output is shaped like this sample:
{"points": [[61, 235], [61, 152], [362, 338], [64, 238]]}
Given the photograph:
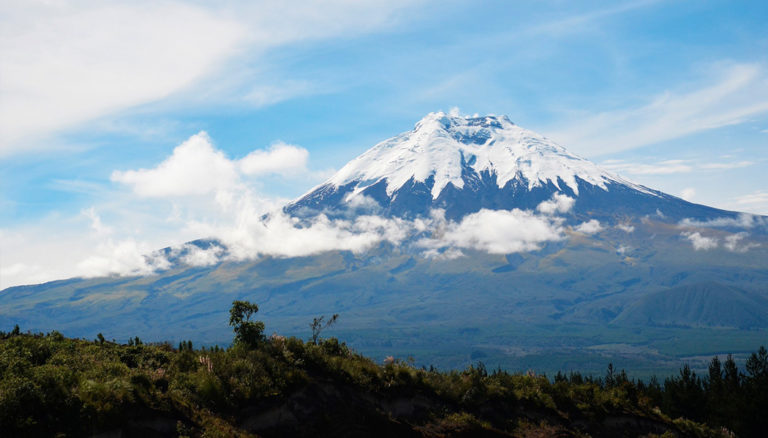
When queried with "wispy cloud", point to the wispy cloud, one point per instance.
{"points": [[736, 242], [270, 93], [755, 202], [75, 62], [661, 168], [736, 165], [585, 21], [743, 220], [669, 167], [740, 92]]}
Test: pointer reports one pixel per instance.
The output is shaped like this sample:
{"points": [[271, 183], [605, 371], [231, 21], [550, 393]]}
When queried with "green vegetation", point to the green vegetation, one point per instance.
{"points": [[247, 333], [55, 386]]}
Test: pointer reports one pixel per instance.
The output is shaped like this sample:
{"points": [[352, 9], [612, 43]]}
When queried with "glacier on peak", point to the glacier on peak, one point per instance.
{"points": [[444, 147]]}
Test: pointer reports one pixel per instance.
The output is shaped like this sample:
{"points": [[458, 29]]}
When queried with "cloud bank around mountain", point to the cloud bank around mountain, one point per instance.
{"points": [[199, 192]]}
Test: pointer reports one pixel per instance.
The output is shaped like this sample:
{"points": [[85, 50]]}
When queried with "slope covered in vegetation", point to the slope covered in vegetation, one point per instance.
{"points": [[55, 386]]}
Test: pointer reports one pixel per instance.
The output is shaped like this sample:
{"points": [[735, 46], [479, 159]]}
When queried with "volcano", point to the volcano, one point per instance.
{"points": [[465, 164], [464, 239]]}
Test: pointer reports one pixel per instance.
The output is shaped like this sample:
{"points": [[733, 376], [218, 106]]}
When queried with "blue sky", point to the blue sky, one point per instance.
{"points": [[672, 95]]}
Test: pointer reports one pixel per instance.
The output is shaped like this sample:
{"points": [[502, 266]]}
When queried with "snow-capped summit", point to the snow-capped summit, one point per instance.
{"points": [[462, 164], [445, 147]]}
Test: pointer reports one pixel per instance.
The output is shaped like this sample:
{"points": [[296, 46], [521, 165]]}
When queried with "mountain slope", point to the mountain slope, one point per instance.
{"points": [[698, 305]]}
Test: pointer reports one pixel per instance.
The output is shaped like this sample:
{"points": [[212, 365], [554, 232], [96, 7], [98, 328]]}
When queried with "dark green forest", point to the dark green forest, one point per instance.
{"points": [[51, 385]]}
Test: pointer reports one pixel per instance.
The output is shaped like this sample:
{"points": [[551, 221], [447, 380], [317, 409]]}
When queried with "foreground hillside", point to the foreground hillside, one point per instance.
{"points": [[54, 386]]}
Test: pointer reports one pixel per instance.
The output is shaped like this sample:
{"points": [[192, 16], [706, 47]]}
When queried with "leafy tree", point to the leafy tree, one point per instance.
{"points": [[247, 332], [319, 324]]}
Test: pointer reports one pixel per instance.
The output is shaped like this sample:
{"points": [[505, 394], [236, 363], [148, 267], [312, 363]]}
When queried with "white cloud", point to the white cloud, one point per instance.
{"points": [[198, 192], [626, 228], [247, 231], [251, 232], [668, 167], [661, 168], [444, 254], [66, 247], [96, 225], [196, 167], [744, 220], [196, 256], [496, 232], [271, 93], [558, 204], [734, 165], [125, 257], [69, 62], [359, 201], [741, 91], [590, 227], [700, 242], [733, 242], [688, 193], [755, 202], [280, 158]]}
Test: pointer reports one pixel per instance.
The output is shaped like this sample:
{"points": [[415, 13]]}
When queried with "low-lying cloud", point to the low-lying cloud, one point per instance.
{"points": [[495, 232], [699, 242], [251, 233], [743, 220], [737, 242]]}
